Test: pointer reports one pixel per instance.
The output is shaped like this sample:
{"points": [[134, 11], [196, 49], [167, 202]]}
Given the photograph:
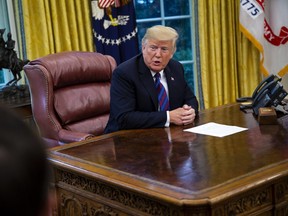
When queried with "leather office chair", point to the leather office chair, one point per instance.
{"points": [[70, 95]]}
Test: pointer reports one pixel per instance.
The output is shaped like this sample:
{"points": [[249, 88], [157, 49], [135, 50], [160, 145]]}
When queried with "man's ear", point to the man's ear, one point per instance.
{"points": [[143, 46]]}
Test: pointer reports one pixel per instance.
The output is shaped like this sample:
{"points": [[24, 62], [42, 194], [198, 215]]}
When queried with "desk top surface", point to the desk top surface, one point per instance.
{"points": [[183, 164]]}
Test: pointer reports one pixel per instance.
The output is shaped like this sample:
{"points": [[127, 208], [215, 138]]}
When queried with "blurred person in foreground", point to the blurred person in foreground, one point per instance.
{"points": [[134, 98], [25, 173]]}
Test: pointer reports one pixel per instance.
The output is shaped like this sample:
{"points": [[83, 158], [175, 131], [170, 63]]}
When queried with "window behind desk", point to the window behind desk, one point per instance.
{"points": [[1, 77], [7, 22], [178, 15]]}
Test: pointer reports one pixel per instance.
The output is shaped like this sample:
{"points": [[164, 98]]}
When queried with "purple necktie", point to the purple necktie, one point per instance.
{"points": [[162, 96]]}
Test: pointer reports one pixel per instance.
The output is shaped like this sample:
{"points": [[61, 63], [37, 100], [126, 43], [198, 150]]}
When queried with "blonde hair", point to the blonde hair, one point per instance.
{"points": [[161, 33]]}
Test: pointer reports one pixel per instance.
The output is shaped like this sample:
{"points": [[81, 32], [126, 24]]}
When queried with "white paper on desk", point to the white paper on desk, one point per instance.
{"points": [[215, 129]]}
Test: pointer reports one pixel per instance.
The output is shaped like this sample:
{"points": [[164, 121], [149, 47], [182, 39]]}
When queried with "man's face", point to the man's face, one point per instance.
{"points": [[157, 54]]}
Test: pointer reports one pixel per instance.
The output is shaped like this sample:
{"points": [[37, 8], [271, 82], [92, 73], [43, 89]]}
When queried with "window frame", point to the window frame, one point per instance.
{"points": [[163, 20], [10, 26]]}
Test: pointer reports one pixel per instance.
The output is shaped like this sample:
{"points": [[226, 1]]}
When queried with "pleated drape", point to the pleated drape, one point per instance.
{"points": [[17, 7], [53, 26], [229, 62]]}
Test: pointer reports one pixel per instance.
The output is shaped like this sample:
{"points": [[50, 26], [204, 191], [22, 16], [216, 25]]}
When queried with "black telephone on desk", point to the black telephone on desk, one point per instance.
{"points": [[269, 92]]}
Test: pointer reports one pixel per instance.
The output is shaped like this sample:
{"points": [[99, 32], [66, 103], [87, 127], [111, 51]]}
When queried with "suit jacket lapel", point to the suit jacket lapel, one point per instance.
{"points": [[171, 85], [147, 81]]}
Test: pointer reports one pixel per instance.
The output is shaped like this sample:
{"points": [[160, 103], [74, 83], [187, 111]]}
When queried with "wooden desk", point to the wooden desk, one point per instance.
{"points": [[139, 172]]}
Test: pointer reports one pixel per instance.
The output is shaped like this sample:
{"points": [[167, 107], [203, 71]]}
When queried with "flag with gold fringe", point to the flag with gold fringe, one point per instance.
{"points": [[114, 28]]}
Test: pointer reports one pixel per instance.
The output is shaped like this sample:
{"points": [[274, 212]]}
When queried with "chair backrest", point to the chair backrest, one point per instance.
{"points": [[70, 92]]}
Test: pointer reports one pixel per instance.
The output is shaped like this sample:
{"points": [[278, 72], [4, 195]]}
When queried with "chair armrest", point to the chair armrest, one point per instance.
{"points": [[67, 136]]}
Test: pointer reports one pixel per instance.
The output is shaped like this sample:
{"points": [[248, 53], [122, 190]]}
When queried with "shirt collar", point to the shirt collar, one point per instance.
{"points": [[153, 73]]}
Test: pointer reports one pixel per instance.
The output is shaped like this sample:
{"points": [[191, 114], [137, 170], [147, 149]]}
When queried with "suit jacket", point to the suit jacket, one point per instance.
{"points": [[134, 103]]}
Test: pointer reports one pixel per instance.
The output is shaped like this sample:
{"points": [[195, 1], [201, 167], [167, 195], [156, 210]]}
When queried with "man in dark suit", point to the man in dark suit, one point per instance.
{"points": [[134, 97]]}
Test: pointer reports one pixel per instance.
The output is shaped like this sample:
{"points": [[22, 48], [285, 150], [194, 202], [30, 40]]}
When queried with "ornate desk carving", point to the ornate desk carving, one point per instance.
{"points": [[143, 172]]}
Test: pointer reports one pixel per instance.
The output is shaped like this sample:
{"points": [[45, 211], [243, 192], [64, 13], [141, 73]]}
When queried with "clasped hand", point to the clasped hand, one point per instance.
{"points": [[182, 116]]}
